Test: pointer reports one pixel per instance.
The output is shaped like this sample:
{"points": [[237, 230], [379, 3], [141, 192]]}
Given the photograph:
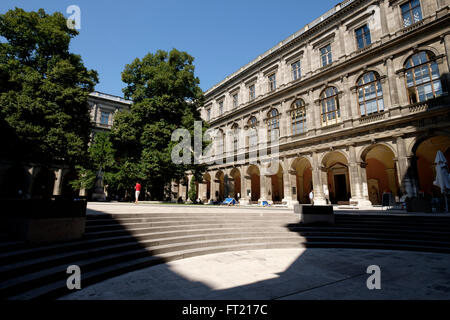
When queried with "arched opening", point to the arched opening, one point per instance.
{"points": [[253, 173], [425, 152], [303, 175], [43, 183], [277, 189], [380, 171], [236, 176], [207, 181], [335, 168], [220, 192]]}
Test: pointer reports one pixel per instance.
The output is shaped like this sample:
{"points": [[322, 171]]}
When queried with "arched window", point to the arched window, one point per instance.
{"points": [[422, 77], [253, 137], [273, 125], [370, 94], [298, 115], [329, 101]]}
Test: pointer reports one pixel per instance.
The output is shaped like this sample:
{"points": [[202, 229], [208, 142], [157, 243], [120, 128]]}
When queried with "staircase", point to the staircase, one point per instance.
{"points": [[118, 243]]}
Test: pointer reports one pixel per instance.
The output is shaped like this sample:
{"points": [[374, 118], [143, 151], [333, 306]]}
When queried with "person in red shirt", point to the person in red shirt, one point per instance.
{"points": [[137, 187]]}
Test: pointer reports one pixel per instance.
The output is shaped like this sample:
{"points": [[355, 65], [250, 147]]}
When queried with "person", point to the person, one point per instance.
{"points": [[137, 187], [311, 197]]}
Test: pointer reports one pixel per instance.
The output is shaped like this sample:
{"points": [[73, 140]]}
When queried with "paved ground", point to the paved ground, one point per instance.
{"points": [[283, 274]]}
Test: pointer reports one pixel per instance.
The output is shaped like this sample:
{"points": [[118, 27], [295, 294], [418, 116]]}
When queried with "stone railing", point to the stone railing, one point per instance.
{"points": [[372, 118], [429, 104]]}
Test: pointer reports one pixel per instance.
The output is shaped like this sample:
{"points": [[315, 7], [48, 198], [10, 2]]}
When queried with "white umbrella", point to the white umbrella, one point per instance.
{"points": [[442, 176]]}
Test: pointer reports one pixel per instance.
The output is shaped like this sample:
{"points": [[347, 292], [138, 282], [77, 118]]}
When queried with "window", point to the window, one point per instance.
{"points": [[298, 114], [363, 37], [104, 119], [370, 94], [411, 12], [273, 125], [208, 114], [220, 107], [325, 55], [235, 100], [330, 106], [296, 72], [422, 78], [251, 92], [253, 137], [272, 82]]}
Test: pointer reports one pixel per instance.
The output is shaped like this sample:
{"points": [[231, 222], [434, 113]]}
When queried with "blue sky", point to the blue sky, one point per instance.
{"points": [[222, 35]]}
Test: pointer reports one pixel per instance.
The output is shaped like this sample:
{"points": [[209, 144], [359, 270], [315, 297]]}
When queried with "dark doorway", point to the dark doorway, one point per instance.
{"points": [[340, 186]]}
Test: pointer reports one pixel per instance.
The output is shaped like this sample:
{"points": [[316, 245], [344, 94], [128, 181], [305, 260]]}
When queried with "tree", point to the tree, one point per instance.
{"points": [[166, 96], [44, 114], [192, 193], [100, 159]]}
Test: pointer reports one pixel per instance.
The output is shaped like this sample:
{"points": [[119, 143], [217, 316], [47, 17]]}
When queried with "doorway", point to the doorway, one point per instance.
{"points": [[340, 186]]}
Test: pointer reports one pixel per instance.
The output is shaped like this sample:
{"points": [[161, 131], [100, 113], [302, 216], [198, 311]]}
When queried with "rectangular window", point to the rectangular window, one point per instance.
{"points": [[363, 37], [220, 107], [296, 72], [272, 82], [325, 55], [251, 92], [104, 119], [411, 12], [235, 100], [208, 114]]}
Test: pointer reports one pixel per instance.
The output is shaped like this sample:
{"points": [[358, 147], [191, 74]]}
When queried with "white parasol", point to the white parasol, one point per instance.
{"points": [[442, 176]]}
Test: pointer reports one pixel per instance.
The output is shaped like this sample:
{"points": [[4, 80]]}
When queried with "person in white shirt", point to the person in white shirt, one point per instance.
{"points": [[311, 197]]}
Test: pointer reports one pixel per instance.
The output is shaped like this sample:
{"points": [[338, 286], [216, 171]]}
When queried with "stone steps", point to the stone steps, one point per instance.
{"points": [[119, 243]]}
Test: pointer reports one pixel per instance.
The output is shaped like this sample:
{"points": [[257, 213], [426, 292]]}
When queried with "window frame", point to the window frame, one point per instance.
{"points": [[410, 11], [430, 60], [328, 54], [102, 113], [253, 125], [272, 79], [377, 83], [252, 92], [296, 72], [364, 37], [336, 111], [235, 100], [295, 119], [273, 122]]}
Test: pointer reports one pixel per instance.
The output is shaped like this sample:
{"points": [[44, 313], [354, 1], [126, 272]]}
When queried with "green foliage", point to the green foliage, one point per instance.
{"points": [[44, 114], [166, 96], [192, 193]]}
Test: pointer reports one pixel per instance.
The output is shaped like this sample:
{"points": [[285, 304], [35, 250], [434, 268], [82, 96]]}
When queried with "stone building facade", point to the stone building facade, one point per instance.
{"points": [[359, 100], [34, 181]]}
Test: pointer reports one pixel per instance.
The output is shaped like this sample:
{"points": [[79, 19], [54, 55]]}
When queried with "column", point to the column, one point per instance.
{"points": [[319, 197], [363, 174], [384, 25], [245, 184], [347, 118], [447, 52], [392, 82], [356, 184], [263, 188], [214, 187], [404, 169], [57, 188]]}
